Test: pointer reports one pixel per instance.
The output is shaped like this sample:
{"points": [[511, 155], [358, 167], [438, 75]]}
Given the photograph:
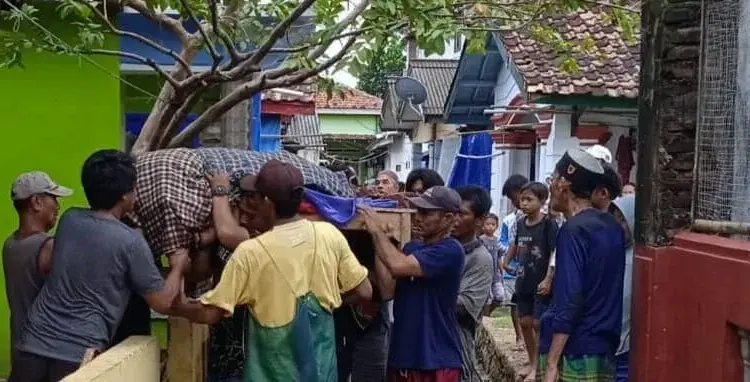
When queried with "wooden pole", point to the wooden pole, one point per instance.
{"points": [[186, 360]]}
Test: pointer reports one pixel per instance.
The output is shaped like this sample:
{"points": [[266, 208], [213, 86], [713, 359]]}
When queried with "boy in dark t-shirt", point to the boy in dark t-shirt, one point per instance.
{"points": [[533, 247]]}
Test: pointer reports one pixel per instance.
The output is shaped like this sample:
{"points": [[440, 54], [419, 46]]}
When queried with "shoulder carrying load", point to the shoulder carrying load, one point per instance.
{"points": [[173, 197]]}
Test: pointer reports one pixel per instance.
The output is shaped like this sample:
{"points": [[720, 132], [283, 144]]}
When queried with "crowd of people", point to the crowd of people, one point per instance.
{"points": [[288, 298]]}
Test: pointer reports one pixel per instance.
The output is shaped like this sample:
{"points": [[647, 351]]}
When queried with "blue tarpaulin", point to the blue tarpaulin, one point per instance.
{"points": [[340, 211], [473, 164]]}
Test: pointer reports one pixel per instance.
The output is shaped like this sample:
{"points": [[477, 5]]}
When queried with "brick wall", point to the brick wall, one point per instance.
{"points": [[670, 51]]}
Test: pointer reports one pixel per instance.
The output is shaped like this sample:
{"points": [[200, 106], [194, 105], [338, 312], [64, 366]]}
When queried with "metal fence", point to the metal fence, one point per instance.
{"points": [[722, 189]]}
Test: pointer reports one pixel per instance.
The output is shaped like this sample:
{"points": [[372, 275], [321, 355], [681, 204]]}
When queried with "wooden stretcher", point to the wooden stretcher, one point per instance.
{"points": [[187, 345]]}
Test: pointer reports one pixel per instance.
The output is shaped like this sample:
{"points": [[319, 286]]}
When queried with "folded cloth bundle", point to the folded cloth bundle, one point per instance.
{"points": [[173, 197]]}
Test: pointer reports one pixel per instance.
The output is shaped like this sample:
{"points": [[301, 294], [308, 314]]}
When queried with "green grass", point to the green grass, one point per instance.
{"points": [[501, 318]]}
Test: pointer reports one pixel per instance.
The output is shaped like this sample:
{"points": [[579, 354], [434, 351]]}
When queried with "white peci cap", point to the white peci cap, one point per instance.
{"points": [[600, 152]]}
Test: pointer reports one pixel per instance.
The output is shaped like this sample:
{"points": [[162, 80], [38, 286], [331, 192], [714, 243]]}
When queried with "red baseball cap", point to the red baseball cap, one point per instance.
{"points": [[276, 180]]}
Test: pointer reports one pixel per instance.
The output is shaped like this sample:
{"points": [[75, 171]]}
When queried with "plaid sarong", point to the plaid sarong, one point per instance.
{"points": [[173, 197], [587, 368]]}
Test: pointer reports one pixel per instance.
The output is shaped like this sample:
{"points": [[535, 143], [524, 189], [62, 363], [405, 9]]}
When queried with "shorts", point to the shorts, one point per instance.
{"points": [[587, 368], [532, 305], [510, 291], [441, 375]]}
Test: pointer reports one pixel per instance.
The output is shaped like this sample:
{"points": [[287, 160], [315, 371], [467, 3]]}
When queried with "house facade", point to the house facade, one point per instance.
{"points": [[536, 111], [349, 122], [416, 144]]}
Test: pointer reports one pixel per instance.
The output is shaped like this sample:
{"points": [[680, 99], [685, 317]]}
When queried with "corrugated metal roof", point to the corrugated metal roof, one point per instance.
{"points": [[305, 130], [437, 77]]}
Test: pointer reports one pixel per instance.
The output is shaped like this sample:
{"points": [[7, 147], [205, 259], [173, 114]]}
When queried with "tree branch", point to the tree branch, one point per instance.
{"points": [[174, 26], [307, 73], [164, 107], [218, 109], [147, 61], [340, 27], [393, 26], [228, 44], [215, 56], [179, 115], [280, 29], [136, 36]]}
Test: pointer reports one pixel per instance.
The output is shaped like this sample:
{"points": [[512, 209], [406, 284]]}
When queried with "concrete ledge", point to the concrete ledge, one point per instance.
{"points": [[491, 357], [135, 359]]}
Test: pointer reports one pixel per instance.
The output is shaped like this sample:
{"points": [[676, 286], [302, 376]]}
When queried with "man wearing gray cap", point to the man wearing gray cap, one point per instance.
{"points": [[27, 252], [580, 331], [424, 280]]}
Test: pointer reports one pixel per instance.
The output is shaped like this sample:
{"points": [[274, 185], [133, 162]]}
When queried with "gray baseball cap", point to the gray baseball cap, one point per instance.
{"points": [[36, 182], [438, 198]]}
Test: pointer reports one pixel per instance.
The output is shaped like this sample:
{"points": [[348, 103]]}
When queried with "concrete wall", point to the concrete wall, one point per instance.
{"points": [[135, 359], [400, 156], [348, 124], [55, 113]]}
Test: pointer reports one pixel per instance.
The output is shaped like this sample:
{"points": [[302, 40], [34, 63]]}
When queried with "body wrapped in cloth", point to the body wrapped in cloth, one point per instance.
{"points": [[173, 197]]}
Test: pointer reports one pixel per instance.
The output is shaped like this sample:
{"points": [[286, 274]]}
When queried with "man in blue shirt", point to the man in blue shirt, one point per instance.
{"points": [[581, 330], [424, 279]]}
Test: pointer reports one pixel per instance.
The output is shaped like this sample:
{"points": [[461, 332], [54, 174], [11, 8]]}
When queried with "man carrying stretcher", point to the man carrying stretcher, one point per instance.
{"points": [[291, 278]]}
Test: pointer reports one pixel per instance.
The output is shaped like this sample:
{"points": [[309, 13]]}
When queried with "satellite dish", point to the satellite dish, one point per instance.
{"points": [[411, 90], [413, 94]]}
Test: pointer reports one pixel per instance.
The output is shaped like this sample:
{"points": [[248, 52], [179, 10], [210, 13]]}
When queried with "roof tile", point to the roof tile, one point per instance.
{"points": [[348, 98], [612, 71]]}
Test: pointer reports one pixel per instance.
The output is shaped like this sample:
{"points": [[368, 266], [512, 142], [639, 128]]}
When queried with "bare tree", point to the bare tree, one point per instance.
{"points": [[237, 36]]}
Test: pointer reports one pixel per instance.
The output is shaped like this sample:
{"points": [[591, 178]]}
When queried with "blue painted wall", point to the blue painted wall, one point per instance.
{"points": [[134, 22], [134, 124]]}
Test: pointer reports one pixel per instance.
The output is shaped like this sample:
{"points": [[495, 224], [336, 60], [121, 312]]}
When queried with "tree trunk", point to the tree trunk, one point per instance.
{"points": [[154, 126], [235, 124]]}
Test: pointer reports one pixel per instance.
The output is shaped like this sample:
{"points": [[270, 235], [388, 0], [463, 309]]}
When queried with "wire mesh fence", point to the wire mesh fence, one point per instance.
{"points": [[722, 192]]}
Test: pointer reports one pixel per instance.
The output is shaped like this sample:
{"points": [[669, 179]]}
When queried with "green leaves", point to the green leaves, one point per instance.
{"points": [[388, 59], [379, 31]]}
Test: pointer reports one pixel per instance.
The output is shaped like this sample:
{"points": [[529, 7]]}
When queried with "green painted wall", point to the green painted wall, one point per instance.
{"points": [[55, 113], [348, 124]]}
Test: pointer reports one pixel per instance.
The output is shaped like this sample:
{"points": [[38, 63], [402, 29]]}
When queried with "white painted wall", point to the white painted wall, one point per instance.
{"points": [[558, 142], [452, 50], [499, 174], [399, 156], [505, 88], [448, 151]]}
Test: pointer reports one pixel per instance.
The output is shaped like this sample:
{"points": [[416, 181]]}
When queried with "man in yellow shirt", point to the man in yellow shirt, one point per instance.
{"points": [[291, 278]]}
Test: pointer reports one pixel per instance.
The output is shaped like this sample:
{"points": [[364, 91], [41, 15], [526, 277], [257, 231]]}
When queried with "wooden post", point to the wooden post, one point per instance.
{"points": [[186, 360]]}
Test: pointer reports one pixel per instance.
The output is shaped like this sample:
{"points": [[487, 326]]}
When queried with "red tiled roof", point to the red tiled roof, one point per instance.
{"points": [[611, 71], [348, 98]]}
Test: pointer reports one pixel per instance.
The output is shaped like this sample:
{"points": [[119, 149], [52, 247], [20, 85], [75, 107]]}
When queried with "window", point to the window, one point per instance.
{"points": [[457, 43]]}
